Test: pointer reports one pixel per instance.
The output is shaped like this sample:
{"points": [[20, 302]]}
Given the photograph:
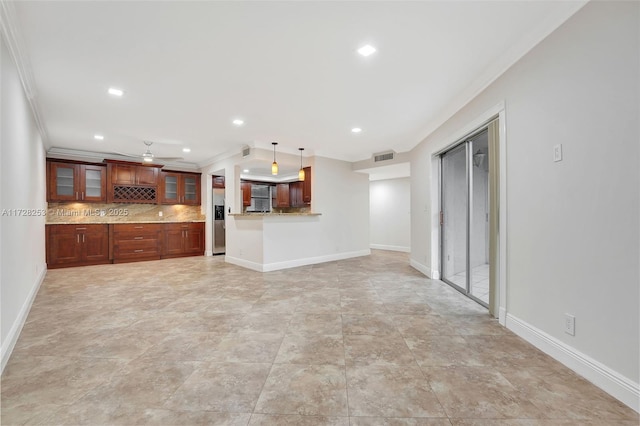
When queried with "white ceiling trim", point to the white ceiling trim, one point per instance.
{"points": [[13, 38]]}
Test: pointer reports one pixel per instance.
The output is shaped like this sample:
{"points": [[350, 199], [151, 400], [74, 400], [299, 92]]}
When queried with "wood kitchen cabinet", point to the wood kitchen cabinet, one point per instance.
{"points": [[306, 186], [136, 241], [282, 195], [76, 182], [295, 194], [183, 239], [76, 245], [218, 181], [179, 188], [246, 193], [132, 174]]}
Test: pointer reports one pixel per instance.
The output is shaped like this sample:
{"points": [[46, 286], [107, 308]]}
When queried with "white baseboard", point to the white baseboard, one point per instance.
{"points": [[12, 337], [254, 266], [390, 248], [276, 266], [612, 382], [502, 316], [420, 267], [208, 252]]}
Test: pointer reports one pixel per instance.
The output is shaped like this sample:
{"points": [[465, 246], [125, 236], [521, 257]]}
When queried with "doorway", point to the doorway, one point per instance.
{"points": [[466, 200]]}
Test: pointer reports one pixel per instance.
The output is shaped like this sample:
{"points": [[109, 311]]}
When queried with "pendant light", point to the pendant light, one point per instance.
{"points": [[274, 165], [301, 172]]}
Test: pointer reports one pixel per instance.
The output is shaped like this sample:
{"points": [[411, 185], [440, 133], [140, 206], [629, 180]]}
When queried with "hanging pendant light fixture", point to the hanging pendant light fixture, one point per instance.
{"points": [[274, 165], [301, 171]]}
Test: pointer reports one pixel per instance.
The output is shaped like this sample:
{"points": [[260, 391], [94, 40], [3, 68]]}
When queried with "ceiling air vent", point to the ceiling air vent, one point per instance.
{"points": [[385, 156], [246, 151]]}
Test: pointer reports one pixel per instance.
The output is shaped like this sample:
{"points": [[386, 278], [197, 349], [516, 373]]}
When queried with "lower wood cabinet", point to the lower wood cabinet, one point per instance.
{"points": [[133, 242], [79, 245], [183, 239], [76, 245]]}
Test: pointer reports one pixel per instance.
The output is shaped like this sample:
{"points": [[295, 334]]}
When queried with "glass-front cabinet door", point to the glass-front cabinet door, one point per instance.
{"points": [[170, 188], [94, 183], [63, 182], [189, 186]]}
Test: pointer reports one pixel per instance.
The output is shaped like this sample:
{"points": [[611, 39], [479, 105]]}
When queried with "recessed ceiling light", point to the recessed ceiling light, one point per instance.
{"points": [[367, 50], [98, 137], [356, 130], [115, 91], [238, 122], [186, 149], [245, 171]]}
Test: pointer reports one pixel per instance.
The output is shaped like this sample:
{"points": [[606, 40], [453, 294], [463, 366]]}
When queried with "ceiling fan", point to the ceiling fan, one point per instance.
{"points": [[148, 156]]}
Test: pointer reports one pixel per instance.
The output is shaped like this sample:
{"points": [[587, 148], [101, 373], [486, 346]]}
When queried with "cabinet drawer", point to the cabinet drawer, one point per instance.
{"points": [[77, 229], [140, 235], [137, 228], [136, 246]]}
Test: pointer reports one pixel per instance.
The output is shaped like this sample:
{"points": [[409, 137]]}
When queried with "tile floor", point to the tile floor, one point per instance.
{"points": [[479, 281], [366, 341]]}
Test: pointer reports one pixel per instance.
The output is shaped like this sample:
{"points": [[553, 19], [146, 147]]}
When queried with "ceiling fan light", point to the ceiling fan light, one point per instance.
{"points": [[148, 159]]}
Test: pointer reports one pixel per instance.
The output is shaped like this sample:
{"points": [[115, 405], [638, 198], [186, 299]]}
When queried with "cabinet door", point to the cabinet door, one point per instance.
{"points": [[306, 186], [295, 194], [146, 175], [169, 184], [64, 248], [194, 239], [63, 182], [95, 246], [218, 181], [190, 189], [173, 241], [246, 193], [282, 195], [123, 174], [93, 183]]}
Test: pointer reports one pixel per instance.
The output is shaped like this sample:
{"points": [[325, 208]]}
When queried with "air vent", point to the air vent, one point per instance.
{"points": [[246, 151], [383, 157]]}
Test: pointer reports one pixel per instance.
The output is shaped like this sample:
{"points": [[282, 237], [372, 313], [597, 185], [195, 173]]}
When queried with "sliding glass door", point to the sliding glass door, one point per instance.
{"points": [[464, 217]]}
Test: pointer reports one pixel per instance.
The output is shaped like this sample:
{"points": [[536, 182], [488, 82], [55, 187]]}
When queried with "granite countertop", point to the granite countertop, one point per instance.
{"points": [[125, 223], [257, 214]]}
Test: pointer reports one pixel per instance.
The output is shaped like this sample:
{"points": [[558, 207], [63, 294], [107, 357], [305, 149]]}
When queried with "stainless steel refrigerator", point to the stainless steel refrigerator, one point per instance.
{"points": [[218, 222]]}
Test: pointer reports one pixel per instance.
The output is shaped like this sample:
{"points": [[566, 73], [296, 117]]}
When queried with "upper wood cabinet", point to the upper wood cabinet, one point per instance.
{"points": [[246, 193], [179, 188], [76, 182], [295, 194], [282, 195], [218, 181], [306, 186], [133, 174]]}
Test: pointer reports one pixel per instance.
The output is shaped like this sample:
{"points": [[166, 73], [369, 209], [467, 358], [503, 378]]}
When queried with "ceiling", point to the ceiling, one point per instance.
{"points": [[290, 70]]}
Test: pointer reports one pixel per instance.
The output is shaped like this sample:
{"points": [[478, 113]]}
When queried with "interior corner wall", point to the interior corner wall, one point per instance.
{"points": [[390, 214], [572, 226], [22, 201]]}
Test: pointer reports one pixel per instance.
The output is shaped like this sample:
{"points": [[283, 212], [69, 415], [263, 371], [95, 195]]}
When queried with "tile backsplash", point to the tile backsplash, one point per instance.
{"points": [[121, 213]]}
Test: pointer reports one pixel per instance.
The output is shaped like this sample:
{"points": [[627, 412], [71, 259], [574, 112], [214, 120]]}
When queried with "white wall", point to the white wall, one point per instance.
{"points": [[572, 226], [390, 214], [22, 183]]}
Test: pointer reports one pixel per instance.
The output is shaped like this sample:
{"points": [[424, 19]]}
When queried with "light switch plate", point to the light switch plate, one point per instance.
{"points": [[557, 153]]}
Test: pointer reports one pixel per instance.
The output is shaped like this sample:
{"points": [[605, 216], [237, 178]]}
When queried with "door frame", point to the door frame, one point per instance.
{"points": [[497, 111]]}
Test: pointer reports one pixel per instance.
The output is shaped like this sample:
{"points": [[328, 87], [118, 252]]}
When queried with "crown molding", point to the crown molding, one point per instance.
{"points": [[15, 45]]}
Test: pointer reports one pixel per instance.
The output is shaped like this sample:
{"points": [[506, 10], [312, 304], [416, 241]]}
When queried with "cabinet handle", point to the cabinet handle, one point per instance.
{"points": [[76, 195], [80, 229], [138, 227], [138, 251], [83, 195], [138, 238], [78, 238], [83, 238]]}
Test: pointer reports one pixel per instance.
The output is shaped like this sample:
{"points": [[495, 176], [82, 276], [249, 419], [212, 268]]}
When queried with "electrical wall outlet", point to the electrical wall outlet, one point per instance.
{"points": [[557, 153], [570, 324], [160, 214]]}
